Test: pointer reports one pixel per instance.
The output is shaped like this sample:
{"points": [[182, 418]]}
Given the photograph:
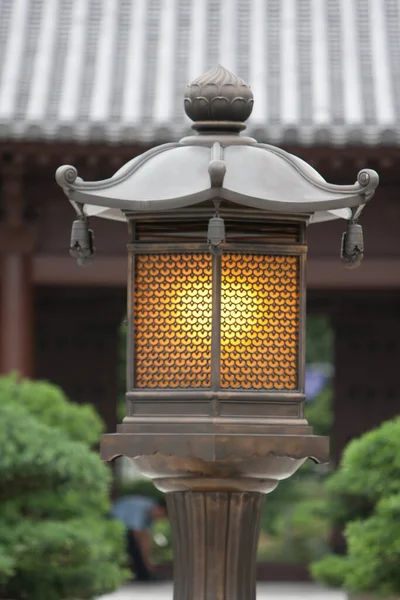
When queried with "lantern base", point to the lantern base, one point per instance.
{"points": [[215, 537], [215, 462], [214, 484], [186, 425]]}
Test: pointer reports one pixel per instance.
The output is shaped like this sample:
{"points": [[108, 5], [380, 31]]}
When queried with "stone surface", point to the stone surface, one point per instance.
{"points": [[265, 591]]}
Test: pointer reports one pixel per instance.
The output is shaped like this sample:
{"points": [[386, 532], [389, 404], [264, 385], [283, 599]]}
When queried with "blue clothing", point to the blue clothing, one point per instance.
{"points": [[134, 511]]}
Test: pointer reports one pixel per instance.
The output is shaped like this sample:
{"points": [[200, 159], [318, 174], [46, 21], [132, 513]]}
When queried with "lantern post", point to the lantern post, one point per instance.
{"points": [[217, 248]]}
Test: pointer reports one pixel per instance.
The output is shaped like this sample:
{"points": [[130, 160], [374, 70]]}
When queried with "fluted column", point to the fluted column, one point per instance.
{"points": [[215, 537]]}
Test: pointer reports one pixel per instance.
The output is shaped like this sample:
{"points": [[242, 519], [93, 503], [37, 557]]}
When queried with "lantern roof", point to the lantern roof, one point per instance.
{"points": [[217, 162]]}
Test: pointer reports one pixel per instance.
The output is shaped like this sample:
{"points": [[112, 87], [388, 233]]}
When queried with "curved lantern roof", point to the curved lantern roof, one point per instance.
{"points": [[218, 162]]}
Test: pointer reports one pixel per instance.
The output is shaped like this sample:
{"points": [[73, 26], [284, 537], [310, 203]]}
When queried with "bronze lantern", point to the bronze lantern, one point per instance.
{"points": [[216, 310]]}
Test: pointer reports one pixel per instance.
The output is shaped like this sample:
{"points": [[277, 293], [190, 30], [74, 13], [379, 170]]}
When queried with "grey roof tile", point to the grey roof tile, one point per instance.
{"points": [[323, 71]]}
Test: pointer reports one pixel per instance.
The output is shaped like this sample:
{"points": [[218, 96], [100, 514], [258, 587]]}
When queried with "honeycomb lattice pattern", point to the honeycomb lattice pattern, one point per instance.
{"points": [[172, 316], [260, 321]]}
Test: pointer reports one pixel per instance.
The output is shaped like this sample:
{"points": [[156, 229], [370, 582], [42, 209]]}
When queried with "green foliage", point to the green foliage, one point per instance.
{"points": [[55, 539], [319, 348], [300, 528], [49, 404], [365, 497], [79, 558], [330, 571], [372, 562], [277, 504], [374, 551], [140, 487], [370, 466], [319, 413]]}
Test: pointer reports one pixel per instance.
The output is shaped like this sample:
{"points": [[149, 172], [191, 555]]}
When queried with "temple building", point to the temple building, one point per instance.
{"points": [[95, 82]]}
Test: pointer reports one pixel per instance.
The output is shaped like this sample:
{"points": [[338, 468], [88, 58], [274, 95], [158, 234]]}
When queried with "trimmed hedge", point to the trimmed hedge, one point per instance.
{"points": [[56, 541], [365, 499]]}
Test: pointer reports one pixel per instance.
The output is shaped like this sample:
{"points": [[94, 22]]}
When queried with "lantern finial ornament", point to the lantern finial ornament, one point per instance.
{"points": [[218, 100]]}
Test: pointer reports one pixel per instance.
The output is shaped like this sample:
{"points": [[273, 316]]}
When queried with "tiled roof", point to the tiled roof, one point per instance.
{"points": [[322, 71]]}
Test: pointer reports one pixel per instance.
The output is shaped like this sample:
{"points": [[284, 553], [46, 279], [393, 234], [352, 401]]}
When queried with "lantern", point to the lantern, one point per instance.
{"points": [[217, 249]]}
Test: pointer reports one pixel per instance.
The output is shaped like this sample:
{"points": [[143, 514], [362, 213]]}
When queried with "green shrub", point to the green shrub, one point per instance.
{"points": [[48, 403], [330, 571], [365, 498], [56, 541], [374, 550], [373, 559], [370, 467]]}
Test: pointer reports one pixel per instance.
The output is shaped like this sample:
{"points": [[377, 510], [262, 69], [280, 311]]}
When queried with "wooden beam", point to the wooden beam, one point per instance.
{"points": [[111, 271], [108, 271], [374, 273]]}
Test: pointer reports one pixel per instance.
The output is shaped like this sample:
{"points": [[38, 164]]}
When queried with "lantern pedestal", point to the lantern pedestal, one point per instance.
{"points": [[215, 537], [214, 484]]}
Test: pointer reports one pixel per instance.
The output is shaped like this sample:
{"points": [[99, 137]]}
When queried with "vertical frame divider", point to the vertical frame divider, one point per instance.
{"points": [[302, 315], [130, 336], [216, 329]]}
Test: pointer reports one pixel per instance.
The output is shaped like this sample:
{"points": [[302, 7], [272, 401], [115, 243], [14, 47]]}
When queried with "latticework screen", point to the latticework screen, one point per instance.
{"points": [[259, 325], [173, 313], [259, 321]]}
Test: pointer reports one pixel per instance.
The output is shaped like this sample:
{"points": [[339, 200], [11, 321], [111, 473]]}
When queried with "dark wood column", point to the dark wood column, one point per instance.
{"points": [[367, 348], [16, 247]]}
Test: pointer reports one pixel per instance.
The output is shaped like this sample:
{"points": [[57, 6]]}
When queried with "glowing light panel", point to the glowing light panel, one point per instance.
{"points": [[173, 310], [259, 321]]}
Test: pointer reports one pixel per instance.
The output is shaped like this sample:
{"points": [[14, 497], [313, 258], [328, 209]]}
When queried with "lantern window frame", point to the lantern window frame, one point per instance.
{"points": [[218, 401]]}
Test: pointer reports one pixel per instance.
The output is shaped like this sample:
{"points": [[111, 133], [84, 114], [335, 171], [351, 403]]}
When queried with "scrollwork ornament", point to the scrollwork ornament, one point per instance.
{"points": [[368, 179], [66, 176]]}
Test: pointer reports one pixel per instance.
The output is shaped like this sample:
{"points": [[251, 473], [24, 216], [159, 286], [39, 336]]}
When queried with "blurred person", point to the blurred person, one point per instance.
{"points": [[138, 513]]}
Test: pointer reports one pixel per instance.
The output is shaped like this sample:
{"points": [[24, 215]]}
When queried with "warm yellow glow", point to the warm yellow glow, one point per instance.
{"points": [[173, 309], [259, 321]]}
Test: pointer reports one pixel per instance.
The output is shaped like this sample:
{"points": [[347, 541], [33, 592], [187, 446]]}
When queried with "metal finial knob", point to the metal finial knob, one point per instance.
{"points": [[218, 100]]}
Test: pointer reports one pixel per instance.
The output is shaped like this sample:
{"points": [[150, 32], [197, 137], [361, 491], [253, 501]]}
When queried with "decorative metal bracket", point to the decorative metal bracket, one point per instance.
{"points": [[352, 250], [217, 166], [216, 229], [82, 242]]}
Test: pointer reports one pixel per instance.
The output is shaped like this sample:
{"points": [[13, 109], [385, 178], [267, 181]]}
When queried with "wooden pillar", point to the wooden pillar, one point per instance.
{"points": [[16, 246], [16, 318]]}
